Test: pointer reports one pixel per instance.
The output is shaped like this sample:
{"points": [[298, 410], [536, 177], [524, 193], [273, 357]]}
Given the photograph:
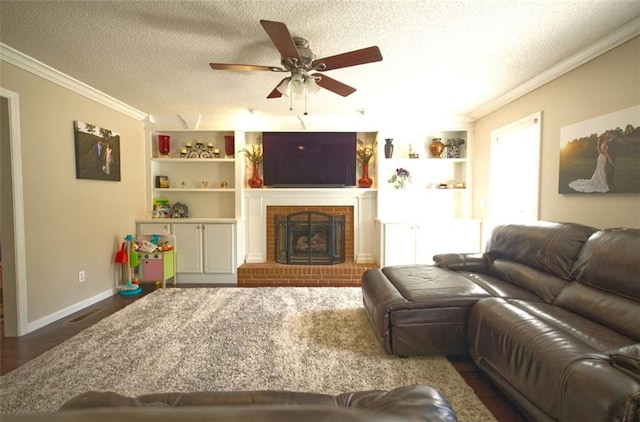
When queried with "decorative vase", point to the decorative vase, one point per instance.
{"points": [[365, 181], [164, 145], [256, 181], [229, 145], [436, 147], [388, 148]]}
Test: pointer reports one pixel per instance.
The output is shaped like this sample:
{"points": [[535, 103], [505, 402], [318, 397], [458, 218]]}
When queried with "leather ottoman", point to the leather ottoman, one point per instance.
{"points": [[419, 309]]}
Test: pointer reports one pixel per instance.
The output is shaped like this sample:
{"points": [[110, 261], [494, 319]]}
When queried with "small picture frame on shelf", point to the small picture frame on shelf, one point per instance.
{"points": [[162, 182]]}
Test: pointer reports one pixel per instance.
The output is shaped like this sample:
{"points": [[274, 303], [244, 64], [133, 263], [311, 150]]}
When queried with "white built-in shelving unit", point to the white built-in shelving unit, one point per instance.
{"points": [[403, 226], [433, 213]]}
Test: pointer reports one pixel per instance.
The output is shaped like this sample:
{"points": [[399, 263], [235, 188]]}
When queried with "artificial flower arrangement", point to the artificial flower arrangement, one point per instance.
{"points": [[365, 150], [400, 178], [255, 154]]}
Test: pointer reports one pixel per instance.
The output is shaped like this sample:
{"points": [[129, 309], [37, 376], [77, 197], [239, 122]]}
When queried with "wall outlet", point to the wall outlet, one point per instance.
{"points": [[81, 277]]}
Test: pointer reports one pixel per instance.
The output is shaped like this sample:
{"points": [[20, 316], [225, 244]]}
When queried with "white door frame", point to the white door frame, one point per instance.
{"points": [[525, 122], [20, 305]]}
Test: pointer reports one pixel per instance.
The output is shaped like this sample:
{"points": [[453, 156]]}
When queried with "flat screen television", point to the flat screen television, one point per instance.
{"points": [[309, 159]]}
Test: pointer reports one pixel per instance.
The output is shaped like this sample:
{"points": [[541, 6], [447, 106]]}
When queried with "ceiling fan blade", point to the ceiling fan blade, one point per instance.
{"points": [[281, 38], [243, 67], [352, 58], [275, 93], [333, 85]]}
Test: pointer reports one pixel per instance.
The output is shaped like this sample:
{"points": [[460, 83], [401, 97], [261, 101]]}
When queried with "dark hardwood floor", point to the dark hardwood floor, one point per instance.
{"points": [[15, 351]]}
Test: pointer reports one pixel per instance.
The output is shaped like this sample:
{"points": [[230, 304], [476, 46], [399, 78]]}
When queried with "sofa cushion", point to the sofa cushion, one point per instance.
{"points": [[598, 337], [594, 390], [546, 246], [610, 261], [526, 345], [543, 285], [498, 287], [428, 286], [616, 312]]}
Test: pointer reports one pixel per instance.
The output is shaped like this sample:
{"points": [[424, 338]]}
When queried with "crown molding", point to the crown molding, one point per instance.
{"points": [[13, 56], [619, 36]]}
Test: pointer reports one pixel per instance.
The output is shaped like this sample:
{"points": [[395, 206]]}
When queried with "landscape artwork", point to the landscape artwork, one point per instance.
{"points": [[97, 152], [601, 155]]}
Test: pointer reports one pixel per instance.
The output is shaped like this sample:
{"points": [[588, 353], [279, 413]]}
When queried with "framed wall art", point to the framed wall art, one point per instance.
{"points": [[601, 155], [97, 152]]}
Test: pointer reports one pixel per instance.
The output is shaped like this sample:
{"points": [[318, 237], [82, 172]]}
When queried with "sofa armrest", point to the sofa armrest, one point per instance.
{"points": [[475, 262], [627, 357]]}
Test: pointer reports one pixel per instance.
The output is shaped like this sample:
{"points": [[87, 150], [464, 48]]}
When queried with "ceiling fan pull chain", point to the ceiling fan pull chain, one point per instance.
{"points": [[305, 100]]}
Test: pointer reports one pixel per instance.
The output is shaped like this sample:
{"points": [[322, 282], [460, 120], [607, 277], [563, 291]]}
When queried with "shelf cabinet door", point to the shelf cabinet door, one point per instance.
{"points": [[218, 248], [408, 244], [399, 244], [153, 228], [426, 244], [188, 247]]}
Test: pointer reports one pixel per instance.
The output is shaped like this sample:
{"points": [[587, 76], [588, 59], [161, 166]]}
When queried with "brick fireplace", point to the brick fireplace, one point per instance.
{"points": [[260, 268], [335, 211]]}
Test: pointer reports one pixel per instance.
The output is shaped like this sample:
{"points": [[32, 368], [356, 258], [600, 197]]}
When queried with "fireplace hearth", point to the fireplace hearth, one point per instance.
{"points": [[310, 238]]}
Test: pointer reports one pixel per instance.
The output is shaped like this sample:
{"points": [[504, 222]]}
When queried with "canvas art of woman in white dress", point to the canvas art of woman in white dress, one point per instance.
{"points": [[598, 182], [108, 159]]}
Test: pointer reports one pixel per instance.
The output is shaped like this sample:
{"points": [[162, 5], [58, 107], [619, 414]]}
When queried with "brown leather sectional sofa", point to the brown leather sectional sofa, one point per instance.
{"points": [[551, 313], [404, 404]]}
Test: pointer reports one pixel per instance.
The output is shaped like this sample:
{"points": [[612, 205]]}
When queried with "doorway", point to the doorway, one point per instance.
{"points": [[514, 183], [12, 235]]}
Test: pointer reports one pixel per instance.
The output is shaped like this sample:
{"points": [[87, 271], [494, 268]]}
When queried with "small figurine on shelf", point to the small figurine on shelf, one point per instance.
{"points": [[179, 210], [412, 153]]}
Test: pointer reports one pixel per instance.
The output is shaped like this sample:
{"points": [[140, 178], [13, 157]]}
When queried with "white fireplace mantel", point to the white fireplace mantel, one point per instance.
{"points": [[363, 202]]}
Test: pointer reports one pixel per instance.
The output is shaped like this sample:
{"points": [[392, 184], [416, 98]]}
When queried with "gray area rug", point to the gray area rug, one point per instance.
{"points": [[304, 339]]}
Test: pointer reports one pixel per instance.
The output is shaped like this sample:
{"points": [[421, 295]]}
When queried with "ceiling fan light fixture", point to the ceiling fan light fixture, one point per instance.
{"points": [[283, 88], [311, 86], [296, 84]]}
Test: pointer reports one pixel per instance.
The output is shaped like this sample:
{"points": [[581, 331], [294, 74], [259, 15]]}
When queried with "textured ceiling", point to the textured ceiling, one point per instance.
{"points": [[441, 56]]}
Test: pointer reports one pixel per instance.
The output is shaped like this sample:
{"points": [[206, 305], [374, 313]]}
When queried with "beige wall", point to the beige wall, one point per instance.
{"points": [[74, 225], [604, 85], [71, 224]]}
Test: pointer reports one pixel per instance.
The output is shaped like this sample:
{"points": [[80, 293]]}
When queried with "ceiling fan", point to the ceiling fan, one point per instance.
{"points": [[298, 59]]}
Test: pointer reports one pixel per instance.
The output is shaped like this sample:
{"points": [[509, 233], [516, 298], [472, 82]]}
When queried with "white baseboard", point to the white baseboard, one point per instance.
{"points": [[32, 326]]}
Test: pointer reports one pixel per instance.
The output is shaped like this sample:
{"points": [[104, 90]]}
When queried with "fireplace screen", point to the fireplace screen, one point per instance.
{"points": [[309, 237]]}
